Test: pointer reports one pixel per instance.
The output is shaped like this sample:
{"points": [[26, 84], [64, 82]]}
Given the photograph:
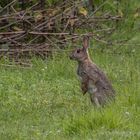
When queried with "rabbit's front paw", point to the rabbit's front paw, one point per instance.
{"points": [[84, 88]]}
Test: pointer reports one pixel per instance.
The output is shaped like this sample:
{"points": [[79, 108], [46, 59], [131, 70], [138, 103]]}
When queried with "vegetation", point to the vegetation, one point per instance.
{"points": [[45, 101]]}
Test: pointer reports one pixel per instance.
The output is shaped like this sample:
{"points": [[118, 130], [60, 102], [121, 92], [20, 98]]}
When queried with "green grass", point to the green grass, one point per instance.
{"points": [[45, 102]]}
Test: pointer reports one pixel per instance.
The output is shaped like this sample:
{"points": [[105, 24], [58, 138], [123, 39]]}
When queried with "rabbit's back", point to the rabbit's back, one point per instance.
{"points": [[99, 77], [98, 85]]}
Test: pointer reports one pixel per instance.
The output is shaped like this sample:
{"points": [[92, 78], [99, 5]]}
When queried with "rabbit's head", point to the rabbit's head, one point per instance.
{"points": [[81, 54]]}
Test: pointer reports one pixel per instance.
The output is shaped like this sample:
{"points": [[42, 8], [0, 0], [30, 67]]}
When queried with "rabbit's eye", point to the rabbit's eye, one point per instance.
{"points": [[78, 51]]}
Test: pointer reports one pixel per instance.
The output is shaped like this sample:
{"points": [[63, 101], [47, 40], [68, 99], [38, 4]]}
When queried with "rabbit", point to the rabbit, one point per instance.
{"points": [[93, 79]]}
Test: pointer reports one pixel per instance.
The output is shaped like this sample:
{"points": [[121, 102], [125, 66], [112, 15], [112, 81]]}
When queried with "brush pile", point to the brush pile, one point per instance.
{"points": [[34, 28]]}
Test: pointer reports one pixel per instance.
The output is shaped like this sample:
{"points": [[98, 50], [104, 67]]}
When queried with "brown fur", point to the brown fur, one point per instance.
{"points": [[93, 79]]}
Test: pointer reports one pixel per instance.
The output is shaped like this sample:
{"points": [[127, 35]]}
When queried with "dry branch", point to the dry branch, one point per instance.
{"points": [[26, 30]]}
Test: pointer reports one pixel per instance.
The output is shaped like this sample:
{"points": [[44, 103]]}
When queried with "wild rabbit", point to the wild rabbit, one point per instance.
{"points": [[93, 79]]}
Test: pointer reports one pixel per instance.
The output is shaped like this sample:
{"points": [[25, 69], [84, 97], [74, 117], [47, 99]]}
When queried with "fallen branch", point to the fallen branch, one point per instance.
{"points": [[11, 33]]}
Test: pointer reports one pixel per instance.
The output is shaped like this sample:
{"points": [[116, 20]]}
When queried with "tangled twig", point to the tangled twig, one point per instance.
{"points": [[24, 31]]}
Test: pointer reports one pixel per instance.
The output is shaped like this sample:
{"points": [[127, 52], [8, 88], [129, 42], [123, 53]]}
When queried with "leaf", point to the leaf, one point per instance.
{"points": [[17, 28], [72, 22], [83, 11], [136, 15], [120, 12], [38, 16], [50, 24], [53, 12]]}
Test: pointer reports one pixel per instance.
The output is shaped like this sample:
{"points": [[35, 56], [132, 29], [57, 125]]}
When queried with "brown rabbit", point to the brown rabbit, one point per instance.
{"points": [[93, 79]]}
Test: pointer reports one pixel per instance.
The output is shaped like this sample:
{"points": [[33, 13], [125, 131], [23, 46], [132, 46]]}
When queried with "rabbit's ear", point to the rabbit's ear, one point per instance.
{"points": [[85, 42]]}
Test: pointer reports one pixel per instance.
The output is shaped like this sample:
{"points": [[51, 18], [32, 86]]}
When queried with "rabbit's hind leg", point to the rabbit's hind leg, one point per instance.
{"points": [[95, 100]]}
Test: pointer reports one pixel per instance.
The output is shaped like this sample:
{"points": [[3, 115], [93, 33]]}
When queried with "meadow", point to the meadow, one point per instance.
{"points": [[45, 101]]}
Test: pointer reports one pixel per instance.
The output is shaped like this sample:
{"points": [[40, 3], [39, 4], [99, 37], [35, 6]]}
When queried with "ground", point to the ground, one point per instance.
{"points": [[45, 101]]}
